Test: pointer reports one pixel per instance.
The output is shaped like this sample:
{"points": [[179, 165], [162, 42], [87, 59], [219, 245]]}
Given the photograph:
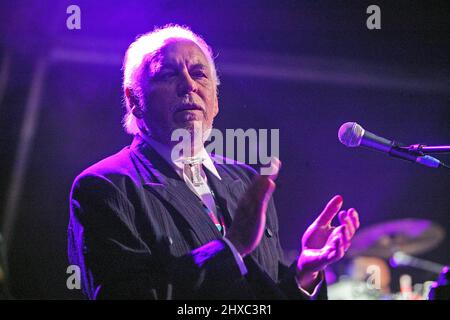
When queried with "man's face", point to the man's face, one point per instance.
{"points": [[179, 90]]}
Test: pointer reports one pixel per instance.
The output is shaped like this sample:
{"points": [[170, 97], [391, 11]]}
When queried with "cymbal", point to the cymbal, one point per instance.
{"points": [[411, 236]]}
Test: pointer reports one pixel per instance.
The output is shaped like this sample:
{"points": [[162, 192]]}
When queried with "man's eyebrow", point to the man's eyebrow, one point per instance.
{"points": [[168, 65], [199, 66], [172, 65]]}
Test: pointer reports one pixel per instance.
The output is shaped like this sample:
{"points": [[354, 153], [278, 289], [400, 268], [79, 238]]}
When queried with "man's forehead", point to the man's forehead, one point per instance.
{"points": [[180, 50]]}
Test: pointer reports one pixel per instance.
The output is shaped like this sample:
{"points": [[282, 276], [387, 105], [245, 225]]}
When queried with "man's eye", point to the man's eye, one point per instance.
{"points": [[168, 74], [165, 75], [199, 74]]}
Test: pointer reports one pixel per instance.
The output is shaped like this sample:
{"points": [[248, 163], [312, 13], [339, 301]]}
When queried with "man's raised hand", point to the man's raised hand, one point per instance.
{"points": [[323, 244]]}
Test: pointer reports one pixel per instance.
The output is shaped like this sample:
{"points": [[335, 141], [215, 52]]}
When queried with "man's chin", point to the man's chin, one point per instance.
{"points": [[191, 125], [188, 116], [195, 129]]}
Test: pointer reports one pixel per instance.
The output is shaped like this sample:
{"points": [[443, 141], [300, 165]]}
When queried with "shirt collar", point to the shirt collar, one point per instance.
{"points": [[166, 153]]}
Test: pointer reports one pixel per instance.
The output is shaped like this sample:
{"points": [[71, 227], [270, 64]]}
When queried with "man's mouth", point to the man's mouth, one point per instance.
{"points": [[188, 107]]}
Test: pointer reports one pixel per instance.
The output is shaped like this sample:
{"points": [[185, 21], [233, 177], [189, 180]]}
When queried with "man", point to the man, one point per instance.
{"points": [[147, 223]]}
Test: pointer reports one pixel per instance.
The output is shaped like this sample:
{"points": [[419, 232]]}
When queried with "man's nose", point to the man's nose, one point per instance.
{"points": [[186, 84]]}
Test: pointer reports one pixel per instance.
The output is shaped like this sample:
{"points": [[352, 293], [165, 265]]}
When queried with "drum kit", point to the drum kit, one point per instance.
{"points": [[379, 249]]}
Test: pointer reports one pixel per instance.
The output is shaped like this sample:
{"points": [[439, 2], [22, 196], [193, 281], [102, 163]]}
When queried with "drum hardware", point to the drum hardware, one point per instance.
{"points": [[440, 290], [402, 259], [410, 236], [396, 241]]}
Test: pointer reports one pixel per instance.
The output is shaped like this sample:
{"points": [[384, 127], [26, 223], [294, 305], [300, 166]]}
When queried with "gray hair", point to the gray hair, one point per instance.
{"points": [[143, 49]]}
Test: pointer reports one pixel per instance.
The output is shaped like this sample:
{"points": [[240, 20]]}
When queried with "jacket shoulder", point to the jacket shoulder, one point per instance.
{"points": [[114, 169]]}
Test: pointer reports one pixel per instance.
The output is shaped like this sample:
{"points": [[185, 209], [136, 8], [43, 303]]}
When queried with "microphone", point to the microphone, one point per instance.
{"points": [[352, 135]]}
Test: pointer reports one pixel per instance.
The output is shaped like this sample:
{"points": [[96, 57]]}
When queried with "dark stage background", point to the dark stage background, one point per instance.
{"points": [[304, 67]]}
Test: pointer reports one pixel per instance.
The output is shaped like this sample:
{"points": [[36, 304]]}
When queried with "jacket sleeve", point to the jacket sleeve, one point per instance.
{"points": [[116, 263]]}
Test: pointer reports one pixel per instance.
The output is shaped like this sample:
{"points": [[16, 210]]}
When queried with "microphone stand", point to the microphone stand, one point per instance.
{"points": [[429, 149], [418, 150]]}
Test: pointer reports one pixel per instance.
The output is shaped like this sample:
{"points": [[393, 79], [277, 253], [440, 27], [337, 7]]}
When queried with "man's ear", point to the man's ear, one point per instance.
{"points": [[133, 102], [131, 97]]}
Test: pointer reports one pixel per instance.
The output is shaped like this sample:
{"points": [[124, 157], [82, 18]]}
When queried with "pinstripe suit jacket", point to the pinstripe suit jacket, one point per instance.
{"points": [[136, 231]]}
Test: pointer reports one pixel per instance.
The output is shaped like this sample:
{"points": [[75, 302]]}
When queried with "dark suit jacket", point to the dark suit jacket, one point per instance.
{"points": [[137, 231]]}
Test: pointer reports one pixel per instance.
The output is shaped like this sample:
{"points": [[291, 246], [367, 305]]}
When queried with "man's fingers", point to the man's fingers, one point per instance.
{"points": [[330, 211], [336, 250], [335, 233], [338, 241], [345, 219], [275, 166], [341, 216], [331, 251], [260, 190], [353, 214], [340, 252], [343, 234], [272, 171], [264, 188]]}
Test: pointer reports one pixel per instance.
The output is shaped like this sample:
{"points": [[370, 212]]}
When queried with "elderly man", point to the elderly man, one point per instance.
{"points": [[148, 224]]}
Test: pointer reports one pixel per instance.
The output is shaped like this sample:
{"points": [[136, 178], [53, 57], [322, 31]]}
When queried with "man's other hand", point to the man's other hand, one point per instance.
{"points": [[250, 219]]}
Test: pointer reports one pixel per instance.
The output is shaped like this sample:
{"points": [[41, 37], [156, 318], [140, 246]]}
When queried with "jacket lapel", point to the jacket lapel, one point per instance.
{"points": [[165, 183], [227, 191]]}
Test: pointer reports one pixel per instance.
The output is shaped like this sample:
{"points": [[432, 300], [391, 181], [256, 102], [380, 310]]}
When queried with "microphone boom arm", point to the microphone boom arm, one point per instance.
{"points": [[429, 149]]}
